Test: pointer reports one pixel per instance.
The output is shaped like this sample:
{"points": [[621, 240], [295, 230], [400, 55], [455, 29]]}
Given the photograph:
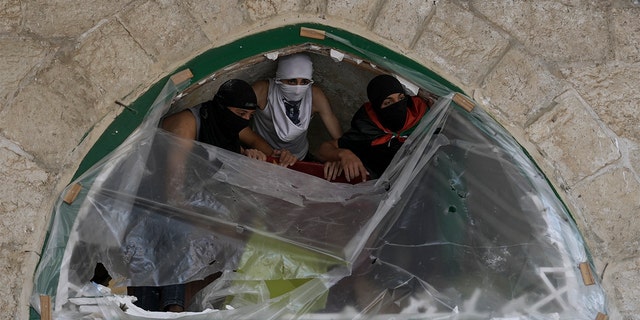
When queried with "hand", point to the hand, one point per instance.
{"points": [[352, 165], [285, 157], [255, 154], [332, 169]]}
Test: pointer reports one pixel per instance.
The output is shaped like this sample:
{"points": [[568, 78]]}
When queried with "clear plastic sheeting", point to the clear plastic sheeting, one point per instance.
{"points": [[462, 225]]}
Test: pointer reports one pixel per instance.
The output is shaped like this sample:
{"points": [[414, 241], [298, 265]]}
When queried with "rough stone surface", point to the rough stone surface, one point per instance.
{"points": [[461, 44], [11, 13], [18, 58], [557, 130], [13, 269], [401, 21], [625, 29], [611, 203], [358, 11], [520, 86], [217, 20], [262, 9], [536, 25], [623, 277], [52, 121], [23, 189], [113, 61], [45, 18], [634, 157], [159, 30], [611, 88]]}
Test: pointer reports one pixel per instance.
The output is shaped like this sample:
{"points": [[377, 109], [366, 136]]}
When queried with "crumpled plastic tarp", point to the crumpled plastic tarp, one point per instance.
{"points": [[462, 225]]}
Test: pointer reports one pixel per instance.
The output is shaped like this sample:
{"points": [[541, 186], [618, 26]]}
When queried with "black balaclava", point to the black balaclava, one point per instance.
{"points": [[393, 116], [222, 126]]}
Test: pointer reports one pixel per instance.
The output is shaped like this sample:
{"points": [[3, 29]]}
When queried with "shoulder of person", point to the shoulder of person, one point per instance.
{"points": [[319, 99], [179, 122], [260, 84], [316, 89]]}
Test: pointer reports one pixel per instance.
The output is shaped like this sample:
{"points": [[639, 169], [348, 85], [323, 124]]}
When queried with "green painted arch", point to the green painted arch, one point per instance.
{"points": [[219, 57]]}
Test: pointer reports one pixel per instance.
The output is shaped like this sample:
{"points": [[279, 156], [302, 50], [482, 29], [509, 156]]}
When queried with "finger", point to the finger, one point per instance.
{"points": [[328, 170], [363, 172], [334, 172], [290, 160], [348, 174]]}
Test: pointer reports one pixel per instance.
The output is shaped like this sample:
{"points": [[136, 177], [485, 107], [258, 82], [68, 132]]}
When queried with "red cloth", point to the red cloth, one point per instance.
{"points": [[314, 169], [414, 115]]}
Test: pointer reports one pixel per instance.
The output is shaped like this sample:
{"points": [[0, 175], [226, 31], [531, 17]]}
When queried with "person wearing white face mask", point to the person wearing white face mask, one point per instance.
{"points": [[285, 106]]}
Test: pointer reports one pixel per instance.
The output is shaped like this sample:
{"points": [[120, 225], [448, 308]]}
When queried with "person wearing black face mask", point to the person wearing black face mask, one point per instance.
{"points": [[220, 120], [217, 122], [378, 130]]}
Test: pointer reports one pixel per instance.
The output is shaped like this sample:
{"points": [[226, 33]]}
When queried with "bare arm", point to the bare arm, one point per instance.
{"points": [[323, 108], [252, 140], [182, 124]]}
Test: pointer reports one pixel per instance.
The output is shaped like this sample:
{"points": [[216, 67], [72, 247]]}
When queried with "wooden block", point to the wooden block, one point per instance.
{"points": [[181, 76], [312, 33], [464, 102], [602, 316], [587, 276], [45, 307], [72, 193]]}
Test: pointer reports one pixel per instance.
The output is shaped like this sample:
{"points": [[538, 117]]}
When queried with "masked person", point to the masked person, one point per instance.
{"points": [[217, 122], [286, 105], [378, 130]]}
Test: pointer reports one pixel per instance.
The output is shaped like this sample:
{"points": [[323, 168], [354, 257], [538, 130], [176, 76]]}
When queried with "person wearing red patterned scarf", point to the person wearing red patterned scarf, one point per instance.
{"points": [[378, 130]]}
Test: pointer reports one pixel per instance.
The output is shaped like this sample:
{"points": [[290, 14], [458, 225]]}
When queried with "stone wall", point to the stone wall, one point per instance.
{"points": [[561, 76]]}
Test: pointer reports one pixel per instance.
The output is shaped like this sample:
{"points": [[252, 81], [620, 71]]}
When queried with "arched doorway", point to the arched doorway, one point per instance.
{"points": [[435, 235]]}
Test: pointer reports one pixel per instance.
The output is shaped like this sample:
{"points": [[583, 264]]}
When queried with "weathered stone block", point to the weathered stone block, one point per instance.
{"points": [[13, 263], [261, 9], [359, 11], [519, 86], [67, 18], [572, 139], [217, 19], [461, 43], [113, 61], [625, 30], [18, 56], [51, 115], [611, 88], [166, 32], [610, 205], [550, 28], [623, 277], [24, 187], [401, 21], [10, 16]]}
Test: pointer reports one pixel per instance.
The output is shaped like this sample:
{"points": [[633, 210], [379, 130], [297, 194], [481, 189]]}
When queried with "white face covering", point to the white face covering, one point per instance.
{"points": [[287, 102], [293, 92], [291, 101]]}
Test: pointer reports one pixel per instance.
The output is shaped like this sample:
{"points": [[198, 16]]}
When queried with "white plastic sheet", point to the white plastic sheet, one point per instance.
{"points": [[462, 225]]}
